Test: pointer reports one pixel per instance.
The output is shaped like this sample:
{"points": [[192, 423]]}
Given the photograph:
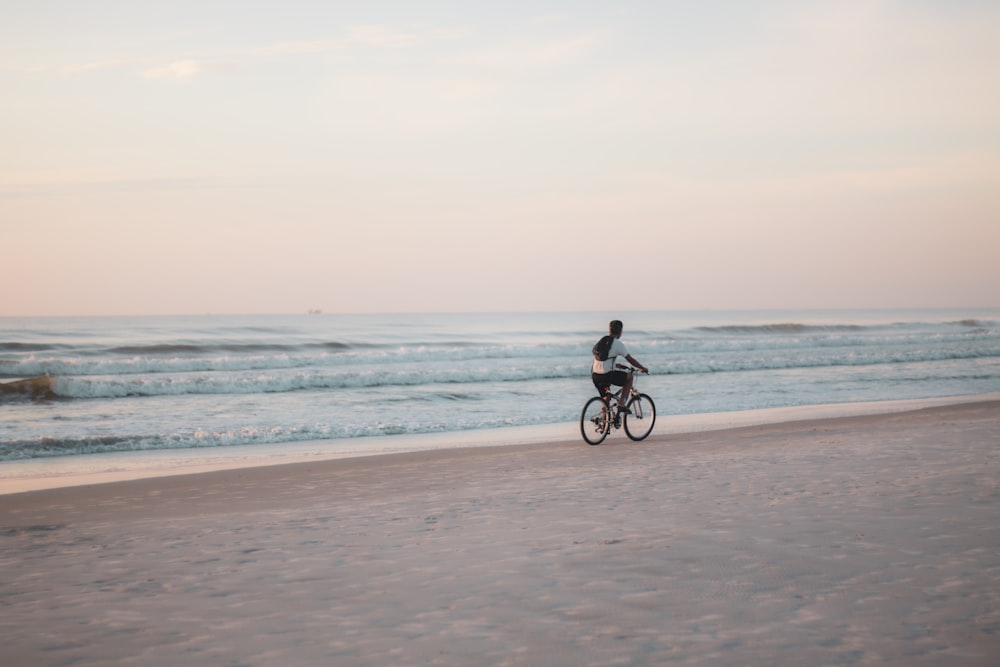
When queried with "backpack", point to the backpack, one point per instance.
{"points": [[603, 348]]}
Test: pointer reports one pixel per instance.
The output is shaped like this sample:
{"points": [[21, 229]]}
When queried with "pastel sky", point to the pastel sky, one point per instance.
{"points": [[257, 157]]}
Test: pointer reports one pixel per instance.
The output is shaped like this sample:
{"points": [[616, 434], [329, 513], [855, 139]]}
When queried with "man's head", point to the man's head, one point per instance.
{"points": [[615, 328]]}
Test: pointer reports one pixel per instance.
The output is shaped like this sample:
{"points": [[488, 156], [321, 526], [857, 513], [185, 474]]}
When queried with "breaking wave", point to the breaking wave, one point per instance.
{"points": [[782, 327]]}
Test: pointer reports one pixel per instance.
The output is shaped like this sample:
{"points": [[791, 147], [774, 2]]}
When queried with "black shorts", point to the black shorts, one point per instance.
{"points": [[603, 380]]}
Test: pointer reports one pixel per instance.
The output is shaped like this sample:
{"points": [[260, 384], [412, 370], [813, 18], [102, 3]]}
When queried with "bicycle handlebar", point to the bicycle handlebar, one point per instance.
{"points": [[629, 369]]}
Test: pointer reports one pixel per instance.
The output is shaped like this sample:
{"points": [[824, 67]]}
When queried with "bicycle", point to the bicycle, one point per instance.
{"points": [[601, 414]]}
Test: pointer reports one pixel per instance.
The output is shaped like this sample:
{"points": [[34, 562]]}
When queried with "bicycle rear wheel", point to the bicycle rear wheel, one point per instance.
{"points": [[640, 422], [594, 421]]}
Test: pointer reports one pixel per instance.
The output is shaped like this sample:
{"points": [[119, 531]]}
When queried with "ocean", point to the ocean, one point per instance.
{"points": [[73, 387]]}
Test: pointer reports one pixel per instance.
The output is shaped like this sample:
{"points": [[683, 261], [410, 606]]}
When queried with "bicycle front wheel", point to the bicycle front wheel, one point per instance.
{"points": [[639, 423], [594, 421]]}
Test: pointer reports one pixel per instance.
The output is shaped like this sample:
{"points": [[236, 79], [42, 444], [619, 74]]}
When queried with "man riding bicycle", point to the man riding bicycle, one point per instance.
{"points": [[603, 373]]}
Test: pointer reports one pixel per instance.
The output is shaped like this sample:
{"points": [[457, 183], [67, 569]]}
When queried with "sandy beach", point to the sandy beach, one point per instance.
{"points": [[870, 540]]}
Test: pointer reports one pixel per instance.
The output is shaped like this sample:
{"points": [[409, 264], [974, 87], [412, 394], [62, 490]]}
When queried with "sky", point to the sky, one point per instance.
{"points": [[191, 157]]}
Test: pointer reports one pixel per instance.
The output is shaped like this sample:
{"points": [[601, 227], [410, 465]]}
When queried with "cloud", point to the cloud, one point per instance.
{"points": [[890, 65], [95, 66], [381, 36], [550, 54], [67, 182], [180, 71], [371, 36], [856, 70], [71, 69], [971, 172], [547, 19]]}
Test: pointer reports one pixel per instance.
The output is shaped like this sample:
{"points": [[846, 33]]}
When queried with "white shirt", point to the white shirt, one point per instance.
{"points": [[618, 349]]}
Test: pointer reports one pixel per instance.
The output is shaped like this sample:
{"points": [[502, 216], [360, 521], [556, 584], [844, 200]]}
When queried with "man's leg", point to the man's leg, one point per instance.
{"points": [[626, 388]]}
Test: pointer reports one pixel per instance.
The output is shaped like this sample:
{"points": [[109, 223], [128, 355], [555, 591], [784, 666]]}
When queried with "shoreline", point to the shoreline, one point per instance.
{"points": [[29, 475]]}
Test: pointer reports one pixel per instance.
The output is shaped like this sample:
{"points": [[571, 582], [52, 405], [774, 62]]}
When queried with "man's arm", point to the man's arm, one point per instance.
{"points": [[635, 362]]}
